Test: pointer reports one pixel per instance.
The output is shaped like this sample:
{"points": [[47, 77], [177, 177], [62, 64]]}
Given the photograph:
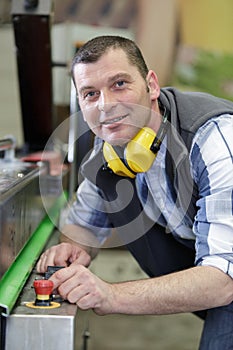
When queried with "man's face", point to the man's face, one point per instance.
{"points": [[113, 97]]}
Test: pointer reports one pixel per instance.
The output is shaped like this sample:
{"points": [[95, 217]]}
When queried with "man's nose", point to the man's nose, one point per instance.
{"points": [[106, 101]]}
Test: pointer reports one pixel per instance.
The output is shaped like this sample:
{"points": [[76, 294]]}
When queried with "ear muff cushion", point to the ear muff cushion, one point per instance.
{"points": [[114, 162], [138, 154]]}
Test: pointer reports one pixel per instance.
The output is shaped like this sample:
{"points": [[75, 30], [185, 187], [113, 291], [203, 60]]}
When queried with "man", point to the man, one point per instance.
{"points": [[173, 210]]}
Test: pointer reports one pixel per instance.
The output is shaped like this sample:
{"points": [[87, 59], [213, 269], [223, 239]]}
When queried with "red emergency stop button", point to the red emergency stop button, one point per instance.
{"points": [[43, 290]]}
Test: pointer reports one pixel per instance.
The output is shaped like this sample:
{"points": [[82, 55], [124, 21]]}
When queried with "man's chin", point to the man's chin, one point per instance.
{"points": [[118, 142]]}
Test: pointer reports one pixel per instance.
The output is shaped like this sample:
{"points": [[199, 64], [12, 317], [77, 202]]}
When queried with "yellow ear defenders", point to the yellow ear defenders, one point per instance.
{"points": [[139, 153]]}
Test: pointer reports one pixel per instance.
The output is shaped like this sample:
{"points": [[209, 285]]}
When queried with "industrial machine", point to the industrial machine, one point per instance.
{"points": [[29, 215], [31, 195]]}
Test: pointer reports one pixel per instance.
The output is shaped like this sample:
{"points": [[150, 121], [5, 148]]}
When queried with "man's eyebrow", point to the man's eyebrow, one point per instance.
{"points": [[117, 76]]}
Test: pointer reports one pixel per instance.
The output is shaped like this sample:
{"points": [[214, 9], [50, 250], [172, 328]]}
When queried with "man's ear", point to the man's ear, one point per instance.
{"points": [[153, 85]]}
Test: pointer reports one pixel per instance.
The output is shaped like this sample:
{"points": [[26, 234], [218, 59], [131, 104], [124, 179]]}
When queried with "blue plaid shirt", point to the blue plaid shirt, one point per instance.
{"points": [[211, 163]]}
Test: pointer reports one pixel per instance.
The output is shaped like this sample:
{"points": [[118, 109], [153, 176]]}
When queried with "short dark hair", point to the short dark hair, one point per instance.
{"points": [[93, 49]]}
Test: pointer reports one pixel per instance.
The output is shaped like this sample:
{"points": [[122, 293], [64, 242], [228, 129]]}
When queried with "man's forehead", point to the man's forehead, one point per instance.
{"points": [[116, 55]]}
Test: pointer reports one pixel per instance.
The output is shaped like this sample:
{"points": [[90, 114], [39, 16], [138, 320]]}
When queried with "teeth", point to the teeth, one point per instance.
{"points": [[114, 120]]}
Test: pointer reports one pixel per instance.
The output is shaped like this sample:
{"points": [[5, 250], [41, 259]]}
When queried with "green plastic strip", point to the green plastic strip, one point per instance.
{"points": [[16, 276]]}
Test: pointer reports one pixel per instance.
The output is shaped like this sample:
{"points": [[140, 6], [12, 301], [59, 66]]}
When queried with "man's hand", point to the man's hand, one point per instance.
{"points": [[63, 254], [80, 286]]}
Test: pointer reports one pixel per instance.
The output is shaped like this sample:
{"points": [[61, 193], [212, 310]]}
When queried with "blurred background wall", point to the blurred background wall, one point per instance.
{"points": [[207, 24], [205, 56]]}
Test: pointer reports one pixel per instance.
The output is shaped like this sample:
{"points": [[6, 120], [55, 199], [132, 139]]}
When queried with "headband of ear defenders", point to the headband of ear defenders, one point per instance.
{"points": [[139, 153]]}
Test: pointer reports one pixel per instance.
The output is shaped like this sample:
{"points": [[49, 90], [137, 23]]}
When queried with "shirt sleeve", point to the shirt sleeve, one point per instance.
{"points": [[89, 211], [212, 169]]}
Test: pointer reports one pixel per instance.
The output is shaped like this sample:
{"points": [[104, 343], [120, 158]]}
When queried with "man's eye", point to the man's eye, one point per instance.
{"points": [[90, 94], [120, 83]]}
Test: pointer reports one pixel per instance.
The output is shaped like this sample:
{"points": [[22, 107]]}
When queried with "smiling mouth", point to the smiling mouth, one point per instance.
{"points": [[114, 120]]}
